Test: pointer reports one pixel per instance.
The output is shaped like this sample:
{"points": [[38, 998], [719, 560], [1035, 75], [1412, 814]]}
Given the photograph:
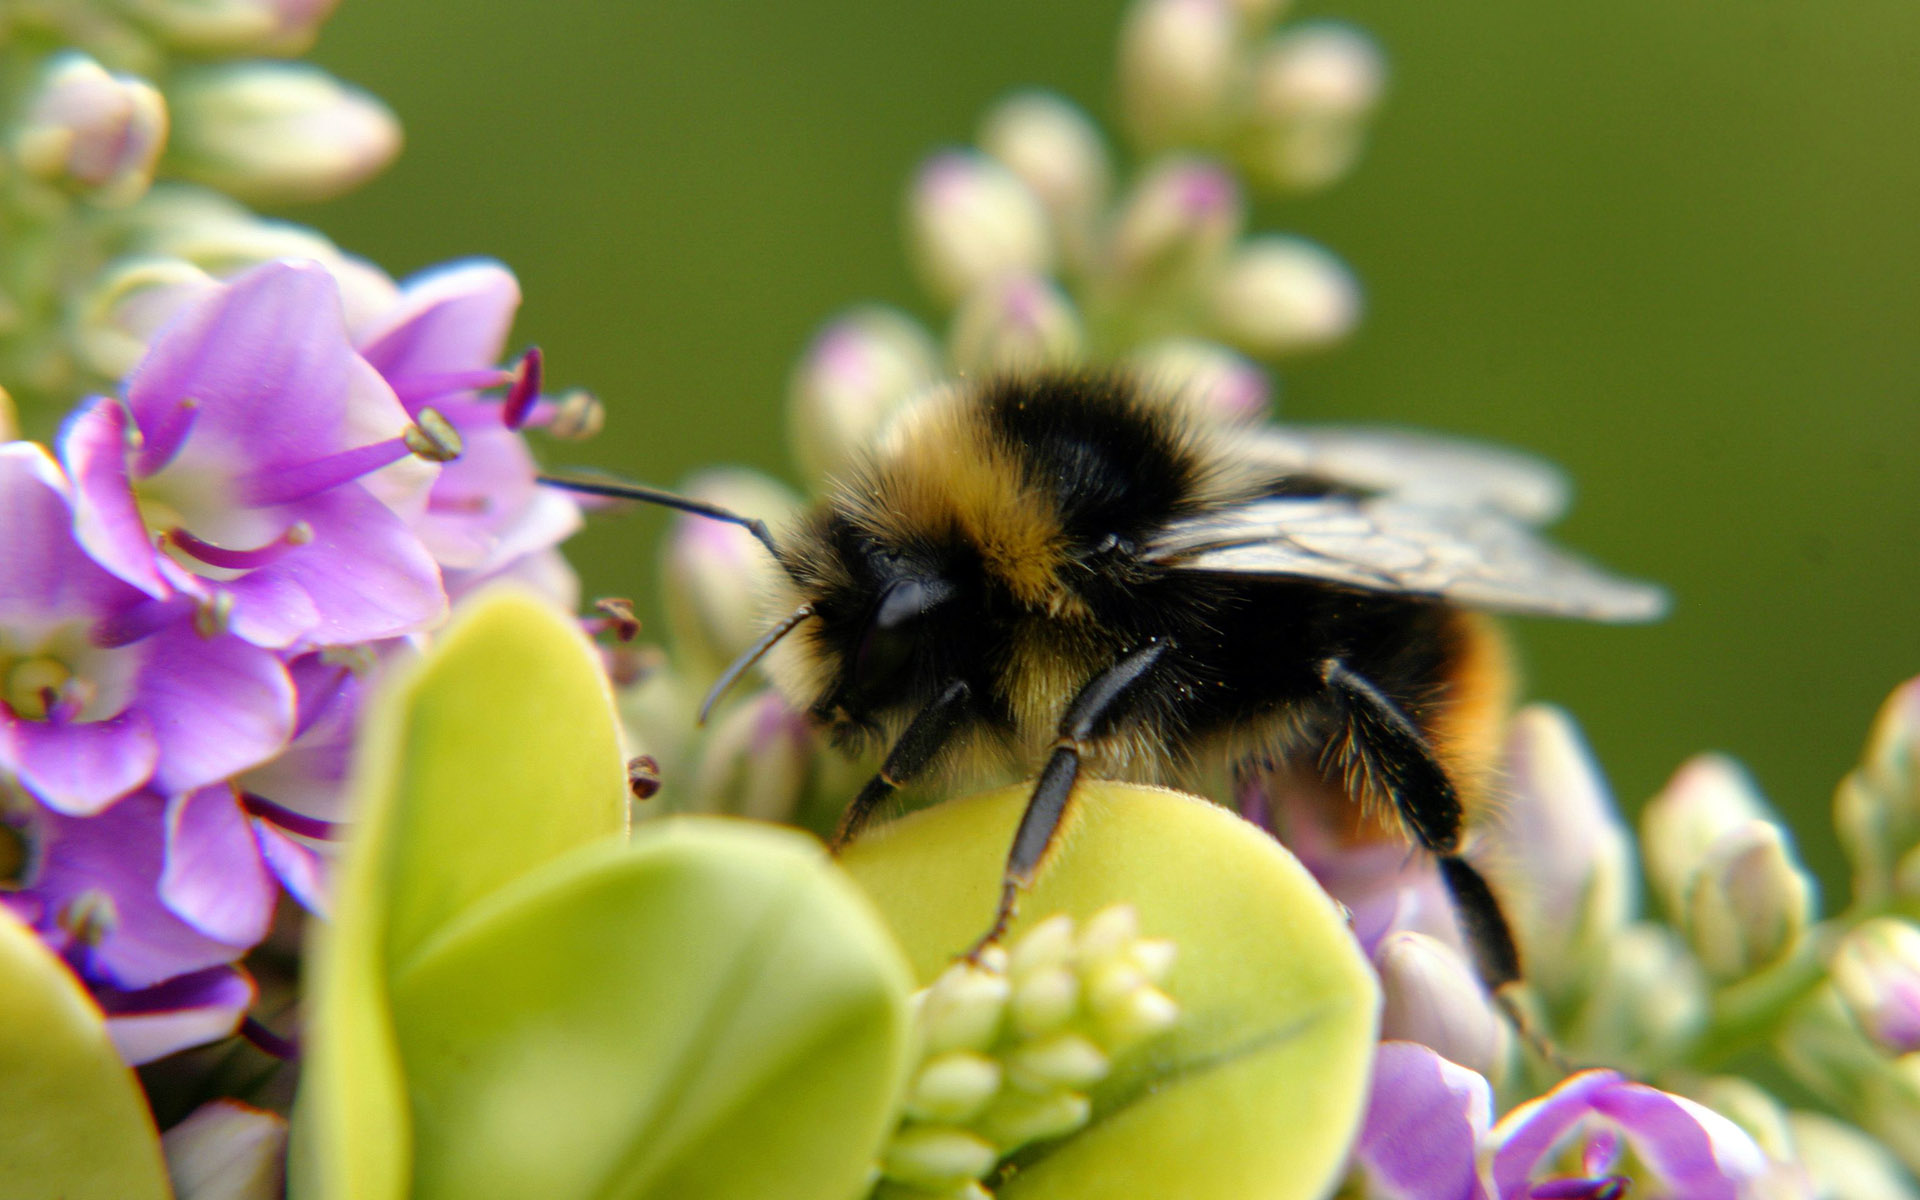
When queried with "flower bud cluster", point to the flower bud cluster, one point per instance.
{"points": [[119, 134], [1291, 106], [1011, 1046]]}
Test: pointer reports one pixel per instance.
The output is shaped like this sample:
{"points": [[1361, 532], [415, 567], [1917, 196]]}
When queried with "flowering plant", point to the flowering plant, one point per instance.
{"points": [[319, 805]]}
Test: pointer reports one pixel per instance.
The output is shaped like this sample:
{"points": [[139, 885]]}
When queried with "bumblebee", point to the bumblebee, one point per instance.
{"points": [[1081, 574]]}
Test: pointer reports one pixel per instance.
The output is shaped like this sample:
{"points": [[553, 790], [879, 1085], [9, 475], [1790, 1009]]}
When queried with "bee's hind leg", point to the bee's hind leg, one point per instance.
{"points": [[1106, 702], [1380, 753]]}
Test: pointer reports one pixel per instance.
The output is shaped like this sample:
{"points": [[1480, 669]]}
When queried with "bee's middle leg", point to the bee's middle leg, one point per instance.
{"points": [[1106, 702]]}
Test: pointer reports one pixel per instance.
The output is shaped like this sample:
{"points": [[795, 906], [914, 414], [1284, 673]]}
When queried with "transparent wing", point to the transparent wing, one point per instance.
{"points": [[1474, 556], [1422, 467]]}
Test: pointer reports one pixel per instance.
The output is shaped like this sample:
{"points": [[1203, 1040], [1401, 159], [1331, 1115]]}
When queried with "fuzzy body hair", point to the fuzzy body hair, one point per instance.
{"points": [[1030, 501]]}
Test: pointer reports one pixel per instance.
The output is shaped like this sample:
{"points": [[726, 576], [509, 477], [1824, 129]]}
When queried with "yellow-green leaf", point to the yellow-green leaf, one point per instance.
{"points": [[712, 1011], [76, 1123], [1257, 1092], [492, 755]]}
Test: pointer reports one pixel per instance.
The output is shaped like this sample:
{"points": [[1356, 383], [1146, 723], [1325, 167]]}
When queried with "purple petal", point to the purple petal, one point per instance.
{"points": [[1528, 1134], [300, 868], [366, 574], [270, 609], [547, 572], [1694, 1151], [264, 362], [213, 878], [452, 318], [218, 706], [79, 767], [106, 520], [486, 508], [309, 778], [119, 855], [1424, 1122], [188, 1010], [49, 577]]}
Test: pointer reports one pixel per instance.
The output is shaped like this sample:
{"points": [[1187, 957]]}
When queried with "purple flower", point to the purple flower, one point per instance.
{"points": [[151, 902], [298, 800], [1599, 1134], [150, 889], [263, 470], [439, 345], [1426, 1118], [106, 690]]}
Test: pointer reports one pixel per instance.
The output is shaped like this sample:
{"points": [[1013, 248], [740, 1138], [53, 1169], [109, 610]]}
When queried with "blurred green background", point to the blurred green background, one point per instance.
{"points": [[1671, 245]]}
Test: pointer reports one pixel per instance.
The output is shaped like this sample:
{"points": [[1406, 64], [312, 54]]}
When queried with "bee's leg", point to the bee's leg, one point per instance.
{"points": [[913, 753], [1102, 705], [1378, 748]]}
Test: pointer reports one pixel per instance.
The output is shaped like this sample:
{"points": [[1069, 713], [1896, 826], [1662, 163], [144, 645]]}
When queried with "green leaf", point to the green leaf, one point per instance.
{"points": [[1258, 1091], [77, 1124], [489, 757], [712, 1011]]}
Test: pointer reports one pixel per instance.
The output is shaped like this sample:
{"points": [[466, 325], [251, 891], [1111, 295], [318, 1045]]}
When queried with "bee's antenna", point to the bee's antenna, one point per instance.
{"points": [[622, 490], [751, 655]]}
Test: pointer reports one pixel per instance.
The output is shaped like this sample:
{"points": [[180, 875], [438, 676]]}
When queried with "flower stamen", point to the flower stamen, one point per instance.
{"points": [[297, 534], [286, 485], [257, 805], [524, 390], [432, 437]]}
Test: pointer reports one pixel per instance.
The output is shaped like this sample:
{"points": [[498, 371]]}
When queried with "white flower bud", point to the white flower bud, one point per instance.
{"points": [[275, 131], [1877, 971], [1649, 998], [1877, 808], [715, 572], [1175, 224], [1431, 996], [129, 304], [1014, 1119], [756, 761], [935, 1156], [953, 1087], [1109, 933], [1044, 999], [1560, 850], [1014, 323], [1154, 956], [971, 220], [92, 132], [857, 371], [1749, 902], [1060, 1060], [280, 27], [226, 1150], [1146, 1012], [1058, 153], [1314, 88], [1217, 380], [1705, 800], [1047, 945], [1179, 69], [963, 1009], [1283, 295], [1844, 1163]]}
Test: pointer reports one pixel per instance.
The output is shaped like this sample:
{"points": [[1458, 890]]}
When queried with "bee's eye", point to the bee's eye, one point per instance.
{"points": [[886, 648]]}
